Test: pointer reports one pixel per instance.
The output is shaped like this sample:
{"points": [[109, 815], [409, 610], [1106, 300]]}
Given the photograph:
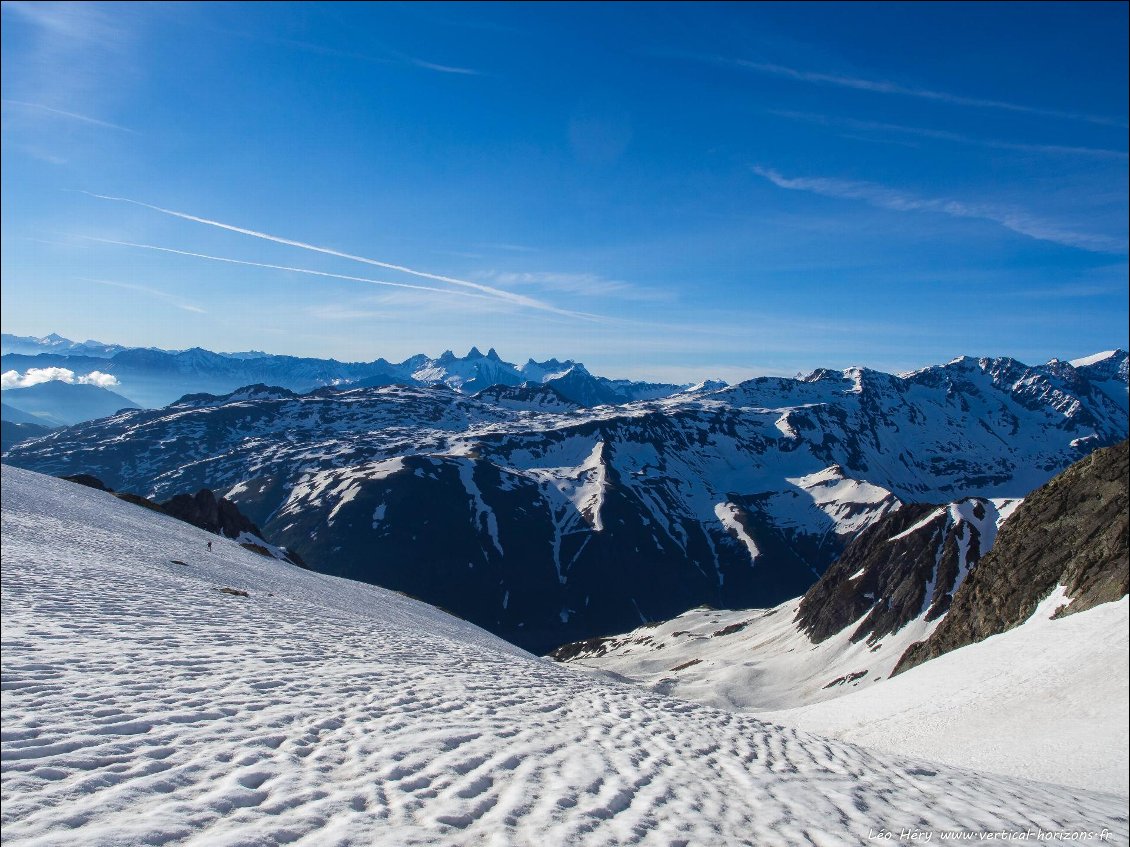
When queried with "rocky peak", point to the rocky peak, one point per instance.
{"points": [[907, 565], [1070, 532]]}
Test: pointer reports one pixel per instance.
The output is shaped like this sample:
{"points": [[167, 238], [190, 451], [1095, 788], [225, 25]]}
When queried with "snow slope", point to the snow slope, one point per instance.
{"points": [[144, 704], [747, 660], [1048, 700], [789, 656]]}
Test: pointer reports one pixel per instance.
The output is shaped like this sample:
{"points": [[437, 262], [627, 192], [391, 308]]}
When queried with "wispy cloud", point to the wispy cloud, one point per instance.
{"points": [[411, 294], [151, 292], [310, 272], [393, 57], [957, 138], [508, 296], [75, 116], [882, 86], [70, 55], [509, 248], [1017, 220], [586, 284], [1071, 291], [338, 312], [443, 69]]}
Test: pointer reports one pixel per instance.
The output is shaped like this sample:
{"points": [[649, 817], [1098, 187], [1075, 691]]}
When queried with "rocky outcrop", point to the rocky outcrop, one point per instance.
{"points": [[1070, 532], [906, 565], [89, 481], [205, 510], [217, 515]]}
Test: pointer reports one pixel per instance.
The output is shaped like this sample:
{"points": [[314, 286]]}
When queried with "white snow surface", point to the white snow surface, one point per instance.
{"points": [[728, 516], [144, 705], [748, 660], [1093, 359], [1048, 700]]}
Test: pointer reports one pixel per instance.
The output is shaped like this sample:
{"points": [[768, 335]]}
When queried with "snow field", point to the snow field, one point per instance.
{"points": [[143, 704], [1048, 700]]}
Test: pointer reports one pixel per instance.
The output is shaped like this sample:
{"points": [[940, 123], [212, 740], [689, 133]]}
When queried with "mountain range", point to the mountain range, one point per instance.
{"points": [[154, 377], [547, 521]]}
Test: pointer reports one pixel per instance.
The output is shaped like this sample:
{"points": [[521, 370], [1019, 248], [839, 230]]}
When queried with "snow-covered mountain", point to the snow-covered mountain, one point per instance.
{"points": [[158, 377], [886, 592], [550, 524], [158, 692], [1070, 534], [17, 426]]}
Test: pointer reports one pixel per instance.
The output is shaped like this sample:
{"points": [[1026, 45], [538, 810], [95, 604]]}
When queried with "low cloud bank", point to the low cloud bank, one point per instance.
{"points": [[34, 376]]}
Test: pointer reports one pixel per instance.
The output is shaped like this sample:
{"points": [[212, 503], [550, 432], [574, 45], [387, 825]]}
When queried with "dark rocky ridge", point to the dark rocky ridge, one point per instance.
{"points": [[1071, 532], [204, 509], [12, 434], [899, 575], [214, 514]]}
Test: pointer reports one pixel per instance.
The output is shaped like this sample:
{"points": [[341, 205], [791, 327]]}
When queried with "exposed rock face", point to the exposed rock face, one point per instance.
{"points": [[1070, 532], [218, 515], [907, 564], [89, 481], [203, 509]]}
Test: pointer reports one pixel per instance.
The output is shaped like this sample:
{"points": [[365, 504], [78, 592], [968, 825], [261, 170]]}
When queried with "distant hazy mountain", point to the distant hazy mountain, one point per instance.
{"points": [[17, 416], [17, 426], [57, 403], [158, 377], [547, 523], [54, 343]]}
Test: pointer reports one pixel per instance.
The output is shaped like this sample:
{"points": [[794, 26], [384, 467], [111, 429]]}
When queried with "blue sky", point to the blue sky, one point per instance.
{"points": [[668, 191]]}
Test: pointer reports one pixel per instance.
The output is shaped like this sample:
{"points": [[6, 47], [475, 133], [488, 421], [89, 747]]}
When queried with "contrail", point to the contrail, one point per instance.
{"points": [[516, 299], [72, 115], [152, 292], [882, 86], [287, 268]]}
